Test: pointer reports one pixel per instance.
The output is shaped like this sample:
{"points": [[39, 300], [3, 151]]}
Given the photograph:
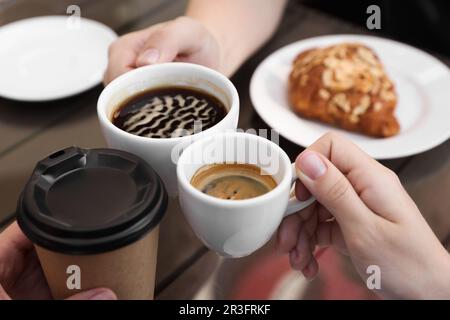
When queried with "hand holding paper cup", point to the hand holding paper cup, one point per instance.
{"points": [[234, 189], [93, 216]]}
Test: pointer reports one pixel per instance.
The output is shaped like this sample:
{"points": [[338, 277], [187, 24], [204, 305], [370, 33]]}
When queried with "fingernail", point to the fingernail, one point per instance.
{"points": [[150, 56], [102, 294], [310, 164]]}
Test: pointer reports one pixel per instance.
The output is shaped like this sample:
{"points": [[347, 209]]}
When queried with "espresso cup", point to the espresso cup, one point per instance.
{"points": [[236, 228], [160, 153]]}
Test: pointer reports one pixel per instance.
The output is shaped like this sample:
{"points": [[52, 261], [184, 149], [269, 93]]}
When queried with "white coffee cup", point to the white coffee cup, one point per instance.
{"points": [[236, 228], [158, 151]]}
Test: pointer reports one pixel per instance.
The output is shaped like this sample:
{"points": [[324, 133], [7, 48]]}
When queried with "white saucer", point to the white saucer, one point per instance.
{"points": [[48, 58], [422, 83]]}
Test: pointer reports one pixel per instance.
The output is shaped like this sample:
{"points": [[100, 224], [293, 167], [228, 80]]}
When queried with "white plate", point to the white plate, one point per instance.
{"points": [[47, 58], [422, 83]]}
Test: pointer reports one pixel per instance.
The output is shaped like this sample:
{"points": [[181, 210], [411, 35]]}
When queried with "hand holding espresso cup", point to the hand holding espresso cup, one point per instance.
{"points": [[363, 211]]}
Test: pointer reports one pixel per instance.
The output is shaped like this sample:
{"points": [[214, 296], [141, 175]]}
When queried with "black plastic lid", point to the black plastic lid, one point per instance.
{"points": [[81, 201]]}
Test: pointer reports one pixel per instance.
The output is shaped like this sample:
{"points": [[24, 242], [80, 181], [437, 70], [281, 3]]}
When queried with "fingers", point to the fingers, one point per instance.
{"points": [[377, 186], [288, 233], [329, 234], [290, 227], [13, 243], [3, 294], [296, 236], [323, 214], [302, 254], [123, 52], [301, 192], [302, 257], [345, 155], [14, 251], [332, 189], [311, 270], [306, 220], [94, 294], [180, 37], [13, 238], [300, 233]]}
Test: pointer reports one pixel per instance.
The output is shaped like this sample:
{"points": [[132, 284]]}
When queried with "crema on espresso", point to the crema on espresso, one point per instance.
{"points": [[169, 112], [233, 181]]}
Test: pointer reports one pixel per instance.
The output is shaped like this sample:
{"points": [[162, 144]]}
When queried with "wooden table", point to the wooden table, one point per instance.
{"points": [[31, 131]]}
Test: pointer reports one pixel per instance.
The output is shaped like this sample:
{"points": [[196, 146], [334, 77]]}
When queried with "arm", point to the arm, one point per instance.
{"points": [[240, 27], [219, 34]]}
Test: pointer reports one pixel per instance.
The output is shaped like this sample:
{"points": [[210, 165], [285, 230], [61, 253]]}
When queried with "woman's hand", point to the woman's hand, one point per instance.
{"points": [[363, 211], [21, 275], [219, 34], [181, 39]]}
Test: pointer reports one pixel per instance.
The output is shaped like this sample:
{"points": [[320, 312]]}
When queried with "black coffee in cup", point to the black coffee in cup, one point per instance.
{"points": [[233, 181], [96, 213], [169, 112]]}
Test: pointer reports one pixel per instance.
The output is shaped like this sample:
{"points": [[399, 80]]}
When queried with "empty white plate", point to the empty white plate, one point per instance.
{"points": [[51, 57], [422, 83]]}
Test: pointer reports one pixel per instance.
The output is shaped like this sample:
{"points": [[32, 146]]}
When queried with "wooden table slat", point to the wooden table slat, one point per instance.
{"points": [[188, 284]]}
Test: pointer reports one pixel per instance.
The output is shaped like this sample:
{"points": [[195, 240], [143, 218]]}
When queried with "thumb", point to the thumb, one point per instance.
{"points": [[332, 189], [94, 294], [178, 37]]}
